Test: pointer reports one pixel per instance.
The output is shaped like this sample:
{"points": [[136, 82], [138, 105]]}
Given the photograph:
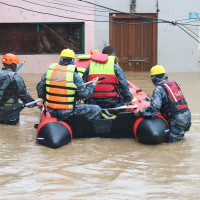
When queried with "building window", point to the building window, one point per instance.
{"points": [[42, 38]]}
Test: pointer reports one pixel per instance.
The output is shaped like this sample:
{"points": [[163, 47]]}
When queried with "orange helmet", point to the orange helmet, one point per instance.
{"points": [[10, 58], [93, 51]]}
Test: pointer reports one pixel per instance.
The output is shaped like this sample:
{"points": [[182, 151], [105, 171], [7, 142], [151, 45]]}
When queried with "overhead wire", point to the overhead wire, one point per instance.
{"points": [[175, 23], [72, 6], [131, 14], [148, 19], [188, 33], [92, 7], [73, 18], [191, 31], [151, 20], [60, 8]]}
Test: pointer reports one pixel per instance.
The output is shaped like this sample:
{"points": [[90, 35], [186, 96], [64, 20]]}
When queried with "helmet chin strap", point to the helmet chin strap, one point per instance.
{"points": [[11, 66]]}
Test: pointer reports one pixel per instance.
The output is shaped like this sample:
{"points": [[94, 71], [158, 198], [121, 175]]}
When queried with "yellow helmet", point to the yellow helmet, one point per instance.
{"points": [[67, 53], [157, 69]]}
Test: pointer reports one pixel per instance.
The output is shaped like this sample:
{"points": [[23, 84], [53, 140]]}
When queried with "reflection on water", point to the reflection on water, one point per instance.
{"points": [[101, 168]]}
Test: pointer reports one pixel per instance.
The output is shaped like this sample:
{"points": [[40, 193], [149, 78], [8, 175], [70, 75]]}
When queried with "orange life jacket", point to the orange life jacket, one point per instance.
{"points": [[60, 87]]}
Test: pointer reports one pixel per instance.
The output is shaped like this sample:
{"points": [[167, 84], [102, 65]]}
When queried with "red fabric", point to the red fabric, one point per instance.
{"points": [[47, 118], [83, 63], [45, 121], [105, 88], [175, 93], [100, 58], [140, 97], [136, 124]]}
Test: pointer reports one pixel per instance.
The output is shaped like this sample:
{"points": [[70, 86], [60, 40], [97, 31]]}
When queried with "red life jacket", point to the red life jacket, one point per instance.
{"points": [[108, 88], [176, 97]]}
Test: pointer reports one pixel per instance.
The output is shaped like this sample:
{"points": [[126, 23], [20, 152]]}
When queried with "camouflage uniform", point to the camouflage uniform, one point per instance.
{"points": [[125, 95], [83, 92], [179, 123], [12, 88]]}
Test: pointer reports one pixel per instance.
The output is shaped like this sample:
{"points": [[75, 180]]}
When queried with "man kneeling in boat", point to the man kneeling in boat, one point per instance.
{"points": [[61, 85], [168, 99], [113, 91]]}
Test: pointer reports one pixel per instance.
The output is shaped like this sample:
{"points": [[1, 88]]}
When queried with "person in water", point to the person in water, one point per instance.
{"points": [[61, 85], [168, 99], [113, 91], [12, 88]]}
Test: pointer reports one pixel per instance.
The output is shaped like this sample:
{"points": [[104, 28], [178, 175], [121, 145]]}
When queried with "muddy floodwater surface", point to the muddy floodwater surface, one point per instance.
{"points": [[96, 168]]}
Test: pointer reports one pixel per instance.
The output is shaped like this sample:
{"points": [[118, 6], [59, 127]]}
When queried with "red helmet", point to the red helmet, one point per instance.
{"points": [[10, 58], [93, 51]]}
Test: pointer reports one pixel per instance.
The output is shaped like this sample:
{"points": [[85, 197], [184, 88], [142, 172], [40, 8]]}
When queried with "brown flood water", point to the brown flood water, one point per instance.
{"points": [[101, 168]]}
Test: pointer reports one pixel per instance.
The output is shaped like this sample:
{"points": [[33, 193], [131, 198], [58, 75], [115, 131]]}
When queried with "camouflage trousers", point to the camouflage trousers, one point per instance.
{"points": [[91, 112], [179, 124]]}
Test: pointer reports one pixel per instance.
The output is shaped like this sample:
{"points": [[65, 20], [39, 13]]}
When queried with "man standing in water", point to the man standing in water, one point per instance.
{"points": [[12, 87], [168, 99], [62, 84]]}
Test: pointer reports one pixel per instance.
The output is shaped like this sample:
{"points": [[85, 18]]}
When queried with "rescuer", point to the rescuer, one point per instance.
{"points": [[168, 99]]}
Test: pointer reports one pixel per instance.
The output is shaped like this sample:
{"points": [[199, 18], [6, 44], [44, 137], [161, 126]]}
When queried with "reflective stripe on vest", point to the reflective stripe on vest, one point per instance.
{"points": [[81, 71], [175, 95], [60, 87], [108, 88]]}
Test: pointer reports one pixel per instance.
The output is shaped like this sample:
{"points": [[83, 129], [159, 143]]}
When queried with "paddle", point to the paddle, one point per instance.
{"points": [[121, 107], [19, 66], [8, 111], [102, 78]]}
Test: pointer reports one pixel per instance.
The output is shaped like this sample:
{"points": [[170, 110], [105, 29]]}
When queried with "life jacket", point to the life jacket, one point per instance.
{"points": [[81, 71], [108, 88], [177, 102], [8, 95], [82, 64], [60, 87]]}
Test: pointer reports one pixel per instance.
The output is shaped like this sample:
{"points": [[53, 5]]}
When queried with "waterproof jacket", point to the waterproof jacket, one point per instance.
{"points": [[159, 100], [12, 88], [179, 122]]}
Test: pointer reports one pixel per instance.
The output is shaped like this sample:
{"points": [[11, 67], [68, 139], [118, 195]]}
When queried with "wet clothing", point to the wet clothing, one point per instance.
{"points": [[179, 122], [60, 87], [109, 87], [82, 92], [177, 102], [12, 88], [121, 88]]}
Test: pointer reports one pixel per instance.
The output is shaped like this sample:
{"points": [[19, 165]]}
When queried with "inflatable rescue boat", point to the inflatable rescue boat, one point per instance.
{"points": [[54, 133]]}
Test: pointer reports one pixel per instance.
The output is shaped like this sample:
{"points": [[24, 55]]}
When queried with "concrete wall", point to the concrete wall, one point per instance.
{"points": [[177, 51], [102, 28], [9, 14]]}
